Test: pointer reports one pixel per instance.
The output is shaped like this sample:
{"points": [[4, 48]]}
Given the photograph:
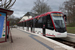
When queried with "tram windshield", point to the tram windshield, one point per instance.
{"points": [[58, 20]]}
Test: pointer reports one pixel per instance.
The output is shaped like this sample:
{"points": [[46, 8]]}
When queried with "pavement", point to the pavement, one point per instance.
{"points": [[26, 41]]}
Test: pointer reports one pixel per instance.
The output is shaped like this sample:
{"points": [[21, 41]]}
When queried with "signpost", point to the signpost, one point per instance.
{"points": [[3, 24]]}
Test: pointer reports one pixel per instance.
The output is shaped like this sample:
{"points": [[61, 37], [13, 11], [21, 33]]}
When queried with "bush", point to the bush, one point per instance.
{"points": [[71, 25]]}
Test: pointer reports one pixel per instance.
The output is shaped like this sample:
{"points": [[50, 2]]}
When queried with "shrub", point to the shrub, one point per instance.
{"points": [[71, 25]]}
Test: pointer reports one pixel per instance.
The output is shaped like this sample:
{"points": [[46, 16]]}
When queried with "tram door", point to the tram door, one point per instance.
{"points": [[47, 24], [44, 25]]}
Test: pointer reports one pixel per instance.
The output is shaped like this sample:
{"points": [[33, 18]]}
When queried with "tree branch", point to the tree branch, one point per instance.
{"points": [[11, 4]]}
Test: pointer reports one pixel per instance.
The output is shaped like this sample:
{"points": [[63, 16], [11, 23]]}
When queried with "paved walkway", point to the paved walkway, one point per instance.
{"points": [[26, 41]]}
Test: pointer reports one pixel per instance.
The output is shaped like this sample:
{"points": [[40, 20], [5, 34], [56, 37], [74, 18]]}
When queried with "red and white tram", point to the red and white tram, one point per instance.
{"points": [[50, 24]]}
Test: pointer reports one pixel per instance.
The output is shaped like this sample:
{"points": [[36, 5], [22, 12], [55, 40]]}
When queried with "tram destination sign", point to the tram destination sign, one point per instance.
{"points": [[57, 14]]}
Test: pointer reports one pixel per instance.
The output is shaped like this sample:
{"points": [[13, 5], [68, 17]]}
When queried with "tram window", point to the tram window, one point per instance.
{"points": [[44, 19], [27, 24], [36, 23], [30, 23], [40, 20], [49, 23], [23, 24], [33, 22]]}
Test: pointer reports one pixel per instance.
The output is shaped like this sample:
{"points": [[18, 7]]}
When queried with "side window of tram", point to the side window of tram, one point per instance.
{"points": [[33, 22], [44, 19], [25, 24], [49, 23], [30, 23], [40, 22], [21, 23]]}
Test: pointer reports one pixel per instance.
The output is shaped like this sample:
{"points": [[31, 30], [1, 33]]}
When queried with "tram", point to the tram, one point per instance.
{"points": [[50, 24]]}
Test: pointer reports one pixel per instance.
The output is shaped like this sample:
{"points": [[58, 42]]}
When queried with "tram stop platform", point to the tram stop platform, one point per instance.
{"points": [[23, 40]]}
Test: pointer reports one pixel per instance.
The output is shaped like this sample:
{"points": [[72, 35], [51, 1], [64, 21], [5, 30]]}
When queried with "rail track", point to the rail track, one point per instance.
{"points": [[72, 44]]}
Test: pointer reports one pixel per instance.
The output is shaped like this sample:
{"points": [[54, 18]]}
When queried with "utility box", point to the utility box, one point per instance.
{"points": [[3, 24]]}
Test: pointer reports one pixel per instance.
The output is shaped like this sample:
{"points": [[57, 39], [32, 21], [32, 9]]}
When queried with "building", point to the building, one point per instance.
{"points": [[28, 15]]}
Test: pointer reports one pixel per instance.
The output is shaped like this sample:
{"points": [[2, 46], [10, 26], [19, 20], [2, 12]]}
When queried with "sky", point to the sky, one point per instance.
{"points": [[21, 7]]}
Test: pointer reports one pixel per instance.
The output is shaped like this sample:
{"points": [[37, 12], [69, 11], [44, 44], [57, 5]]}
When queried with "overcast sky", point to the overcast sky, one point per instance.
{"points": [[21, 7]]}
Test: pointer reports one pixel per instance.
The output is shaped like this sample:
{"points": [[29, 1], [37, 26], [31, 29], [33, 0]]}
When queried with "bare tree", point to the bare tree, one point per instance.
{"points": [[13, 20], [41, 7], [69, 7], [7, 4]]}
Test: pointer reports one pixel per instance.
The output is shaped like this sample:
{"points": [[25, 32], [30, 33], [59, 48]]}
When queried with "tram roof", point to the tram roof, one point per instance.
{"points": [[42, 15], [29, 19], [26, 20], [47, 13]]}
